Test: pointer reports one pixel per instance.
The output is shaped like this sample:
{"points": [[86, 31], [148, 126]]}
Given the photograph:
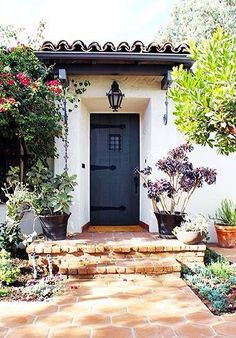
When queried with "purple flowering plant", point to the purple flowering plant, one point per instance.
{"points": [[173, 193]]}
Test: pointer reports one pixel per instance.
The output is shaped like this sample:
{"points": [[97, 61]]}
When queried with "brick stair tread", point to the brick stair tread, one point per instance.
{"points": [[100, 247], [121, 266]]}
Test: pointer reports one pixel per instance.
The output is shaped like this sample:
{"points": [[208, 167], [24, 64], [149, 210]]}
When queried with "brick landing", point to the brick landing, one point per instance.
{"points": [[118, 253]]}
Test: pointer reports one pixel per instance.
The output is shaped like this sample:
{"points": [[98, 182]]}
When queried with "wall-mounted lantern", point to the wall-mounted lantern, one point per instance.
{"points": [[115, 96]]}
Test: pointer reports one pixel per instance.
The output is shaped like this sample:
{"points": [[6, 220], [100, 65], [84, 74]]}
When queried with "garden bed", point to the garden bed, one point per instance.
{"points": [[18, 284], [214, 284]]}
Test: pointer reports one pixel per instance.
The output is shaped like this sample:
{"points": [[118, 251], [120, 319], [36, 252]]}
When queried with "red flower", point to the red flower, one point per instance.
{"points": [[11, 82], [54, 87], [23, 79]]}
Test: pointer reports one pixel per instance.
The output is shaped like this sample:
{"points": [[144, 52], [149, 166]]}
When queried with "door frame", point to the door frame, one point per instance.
{"points": [[142, 224]]}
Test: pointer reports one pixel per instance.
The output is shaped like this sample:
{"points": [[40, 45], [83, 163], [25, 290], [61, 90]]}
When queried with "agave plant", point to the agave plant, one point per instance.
{"points": [[226, 213]]}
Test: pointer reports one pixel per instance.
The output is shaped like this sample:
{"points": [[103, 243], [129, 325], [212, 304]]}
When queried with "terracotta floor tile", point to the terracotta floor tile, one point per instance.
{"points": [[166, 319], [58, 319], [62, 300], [92, 320], [73, 331], [3, 331], [228, 329], [129, 320], [156, 297], [110, 308], [143, 309], [75, 308], [112, 331], [137, 290], [203, 317], [15, 320], [28, 331], [189, 330], [154, 331]]}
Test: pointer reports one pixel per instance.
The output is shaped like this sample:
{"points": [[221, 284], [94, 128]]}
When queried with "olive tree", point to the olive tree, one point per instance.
{"points": [[205, 97]]}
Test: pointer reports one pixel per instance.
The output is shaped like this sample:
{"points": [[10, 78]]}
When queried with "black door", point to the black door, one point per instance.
{"points": [[114, 192]]}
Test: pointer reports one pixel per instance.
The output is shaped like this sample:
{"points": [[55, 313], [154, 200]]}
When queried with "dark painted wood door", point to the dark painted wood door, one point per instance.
{"points": [[114, 189]]}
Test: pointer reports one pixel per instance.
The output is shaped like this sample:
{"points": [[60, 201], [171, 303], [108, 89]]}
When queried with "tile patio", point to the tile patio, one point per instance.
{"points": [[136, 306], [118, 306]]}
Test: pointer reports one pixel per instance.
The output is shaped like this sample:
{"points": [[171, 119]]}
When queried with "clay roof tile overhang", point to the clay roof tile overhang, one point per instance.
{"points": [[124, 59]]}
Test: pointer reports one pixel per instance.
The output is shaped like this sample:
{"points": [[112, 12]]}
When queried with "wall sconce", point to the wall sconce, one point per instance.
{"points": [[115, 96], [165, 85]]}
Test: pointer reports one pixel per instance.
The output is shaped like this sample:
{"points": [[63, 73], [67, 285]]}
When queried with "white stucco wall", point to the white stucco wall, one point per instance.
{"points": [[144, 96]]}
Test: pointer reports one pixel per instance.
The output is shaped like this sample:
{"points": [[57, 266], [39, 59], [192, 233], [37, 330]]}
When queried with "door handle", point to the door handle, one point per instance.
{"points": [[136, 183]]}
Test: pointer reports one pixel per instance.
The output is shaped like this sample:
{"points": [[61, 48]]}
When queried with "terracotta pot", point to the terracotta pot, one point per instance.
{"points": [[190, 237], [167, 222], [226, 235], [54, 227]]}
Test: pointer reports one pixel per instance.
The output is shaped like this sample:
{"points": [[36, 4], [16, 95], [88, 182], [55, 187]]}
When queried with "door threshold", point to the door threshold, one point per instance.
{"points": [[115, 228]]}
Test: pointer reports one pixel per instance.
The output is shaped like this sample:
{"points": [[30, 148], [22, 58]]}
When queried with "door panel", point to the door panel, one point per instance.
{"points": [[114, 189]]}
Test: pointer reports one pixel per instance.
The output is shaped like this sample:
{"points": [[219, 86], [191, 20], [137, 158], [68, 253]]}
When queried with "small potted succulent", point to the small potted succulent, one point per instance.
{"points": [[225, 224], [51, 199], [192, 230], [170, 195]]}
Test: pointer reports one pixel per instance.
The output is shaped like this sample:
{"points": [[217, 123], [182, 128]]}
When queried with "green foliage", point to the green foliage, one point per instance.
{"points": [[213, 282], [8, 273], [4, 292], [10, 236], [33, 111], [52, 195], [221, 269], [226, 213], [205, 99], [30, 104], [196, 20], [211, 256]]}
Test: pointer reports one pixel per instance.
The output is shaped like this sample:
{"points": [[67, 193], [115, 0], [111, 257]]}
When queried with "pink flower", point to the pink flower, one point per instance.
{"points": [[11, 100], [23, 79]]}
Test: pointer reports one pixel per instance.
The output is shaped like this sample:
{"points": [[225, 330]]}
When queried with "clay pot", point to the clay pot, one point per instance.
{"points": [[226, 235]]}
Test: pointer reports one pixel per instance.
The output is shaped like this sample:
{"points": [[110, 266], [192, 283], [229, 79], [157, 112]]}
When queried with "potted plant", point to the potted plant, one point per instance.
{"points": [[225, 224], [170, 195], [192, 230], [51, 199]]}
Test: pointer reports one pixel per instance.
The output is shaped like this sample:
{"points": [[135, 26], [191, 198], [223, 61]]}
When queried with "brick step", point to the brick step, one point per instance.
{"points": [[135, 266], [79, 247]]}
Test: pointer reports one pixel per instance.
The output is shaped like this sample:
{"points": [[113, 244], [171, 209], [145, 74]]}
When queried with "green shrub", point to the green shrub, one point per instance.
{"points": [[4, 292], [10, 236], [221, 269], [8, 273]]}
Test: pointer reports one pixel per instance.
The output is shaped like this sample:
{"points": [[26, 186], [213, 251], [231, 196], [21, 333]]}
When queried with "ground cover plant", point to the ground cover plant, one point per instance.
{"points": [[18, 284], [215, 284]]}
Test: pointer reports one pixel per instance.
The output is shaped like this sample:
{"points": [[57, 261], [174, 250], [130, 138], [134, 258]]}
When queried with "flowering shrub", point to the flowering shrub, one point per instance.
{"points": [[31, 102], [181, 182], [28, 106]]}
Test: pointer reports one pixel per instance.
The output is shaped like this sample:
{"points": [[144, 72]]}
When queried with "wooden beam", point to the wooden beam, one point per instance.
{"points": [[114, 69]]}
